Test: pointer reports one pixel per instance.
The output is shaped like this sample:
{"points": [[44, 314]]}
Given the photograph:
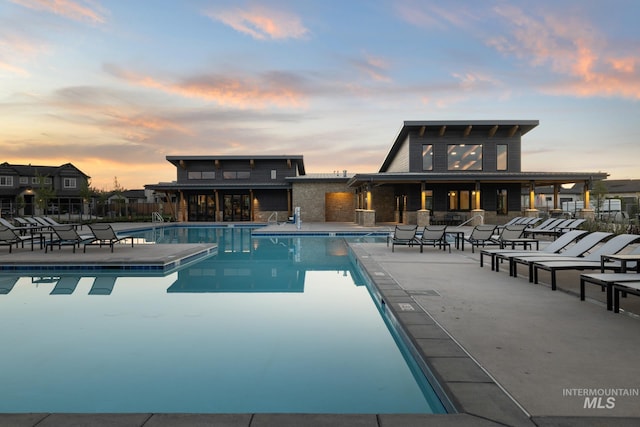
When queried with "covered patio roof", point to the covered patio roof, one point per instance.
{"points": [[524, 178]]}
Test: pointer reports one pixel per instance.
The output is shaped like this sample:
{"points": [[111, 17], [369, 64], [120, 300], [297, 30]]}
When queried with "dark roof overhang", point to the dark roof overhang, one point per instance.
{"points": [[299, 160], [174, 186], [524, 178]]}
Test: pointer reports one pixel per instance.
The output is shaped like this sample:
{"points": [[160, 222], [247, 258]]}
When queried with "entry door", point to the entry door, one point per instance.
{"points": [[237, 207]]}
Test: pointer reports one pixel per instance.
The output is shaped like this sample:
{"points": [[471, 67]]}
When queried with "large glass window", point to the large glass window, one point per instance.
{"points": [[69, 183], [501, 160], [464, 157], [427, 157], [6, 181]]}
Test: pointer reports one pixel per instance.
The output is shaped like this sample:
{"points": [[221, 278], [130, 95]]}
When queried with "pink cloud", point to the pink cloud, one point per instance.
{"points": [[573, 48], [12, 69], [74, 10], [375, 67], [261, 23], [236, 91]]}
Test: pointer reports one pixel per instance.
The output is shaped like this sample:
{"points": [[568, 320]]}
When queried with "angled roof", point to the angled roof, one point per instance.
{"points": [[175, 160], [622, 185], [33, 170], [444, 126]]}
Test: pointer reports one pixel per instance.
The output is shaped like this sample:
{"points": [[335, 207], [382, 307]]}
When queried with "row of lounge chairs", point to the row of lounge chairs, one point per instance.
{"points": [[65, 285], [579, 250], [481, 236], [432, 235], [63, 235]]}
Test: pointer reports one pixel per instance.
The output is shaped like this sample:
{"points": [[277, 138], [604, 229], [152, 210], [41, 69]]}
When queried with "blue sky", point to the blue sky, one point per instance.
{"points": [[114, 86]]}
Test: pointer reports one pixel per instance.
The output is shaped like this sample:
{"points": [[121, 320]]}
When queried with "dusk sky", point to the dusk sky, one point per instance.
{"points": [[114, 86]]}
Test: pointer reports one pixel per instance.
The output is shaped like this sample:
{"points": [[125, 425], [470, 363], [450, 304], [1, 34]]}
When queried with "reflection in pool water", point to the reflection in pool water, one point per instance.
{"points": [[267, 325]]}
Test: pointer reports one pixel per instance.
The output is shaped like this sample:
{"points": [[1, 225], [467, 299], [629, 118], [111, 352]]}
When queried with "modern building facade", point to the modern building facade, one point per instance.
{"points": [[435, 171], [232, 188], [22, 188], [457, 171]]}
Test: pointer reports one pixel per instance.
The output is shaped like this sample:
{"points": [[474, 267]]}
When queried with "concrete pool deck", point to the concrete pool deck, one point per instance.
{"points": [[507, 352]]}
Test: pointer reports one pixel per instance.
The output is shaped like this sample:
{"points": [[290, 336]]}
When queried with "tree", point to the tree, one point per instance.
{"points": [[85, 193], [44, 193], [599, 192], [117, 193]]}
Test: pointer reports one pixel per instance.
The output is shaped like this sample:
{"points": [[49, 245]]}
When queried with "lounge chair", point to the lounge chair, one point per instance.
{"points": [[605, 281], [43, 222], [545, 225], [7, 283], [10, 237], [103, 285], [590, 261], [511, 235], [434, 235], [404, 235], [21, 229], [553, 247], [66, 235], [481, 235], [66, 285], [551, 229], [51, 221], [104, 234], [583, 246], [571, 226]]}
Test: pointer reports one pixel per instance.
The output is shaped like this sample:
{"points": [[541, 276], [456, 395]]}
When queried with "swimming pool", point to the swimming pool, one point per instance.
{"points": [[266, 325]]}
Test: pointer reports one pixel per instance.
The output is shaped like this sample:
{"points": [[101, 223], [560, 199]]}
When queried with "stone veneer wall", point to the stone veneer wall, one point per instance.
{"points": [[311, 198], [384, 203]]}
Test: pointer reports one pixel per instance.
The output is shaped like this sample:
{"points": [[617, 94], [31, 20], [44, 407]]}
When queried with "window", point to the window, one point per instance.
{"points": [[427, 157], [461, 200], [69, 183], [464, 157], [6, 181], [36, 180], [501, 157], [24, 180], [236, 174], [201, 175], [274, 174]]}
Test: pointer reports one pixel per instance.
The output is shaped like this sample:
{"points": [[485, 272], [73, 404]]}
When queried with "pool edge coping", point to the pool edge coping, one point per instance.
{"points": [[469, 388]]}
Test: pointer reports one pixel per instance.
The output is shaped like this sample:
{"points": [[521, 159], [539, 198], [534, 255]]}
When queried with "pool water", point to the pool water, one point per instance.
{"points": [[266, 325]]}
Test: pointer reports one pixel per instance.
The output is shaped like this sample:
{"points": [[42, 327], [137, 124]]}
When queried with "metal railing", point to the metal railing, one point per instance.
{"points": [[472, 218], [270, 220], [157, 217]]}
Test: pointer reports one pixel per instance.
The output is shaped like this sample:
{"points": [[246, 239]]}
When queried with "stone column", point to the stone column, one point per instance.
{"points": [[423, 217], [477, 216], [368, 218]]}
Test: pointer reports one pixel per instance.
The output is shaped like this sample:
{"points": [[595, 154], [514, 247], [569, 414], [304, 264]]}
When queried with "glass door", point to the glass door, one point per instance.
{"points": [[237, 207]]}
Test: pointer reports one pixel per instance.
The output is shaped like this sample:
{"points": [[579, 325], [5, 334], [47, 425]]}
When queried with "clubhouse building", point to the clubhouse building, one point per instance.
{"points": [[435, 171]]}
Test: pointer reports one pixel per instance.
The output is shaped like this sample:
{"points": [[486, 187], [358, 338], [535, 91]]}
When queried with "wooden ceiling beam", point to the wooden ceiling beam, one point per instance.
{"points": [[422, 129], [493, 131], [513, 130], [442, 130], [467, 131]]}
